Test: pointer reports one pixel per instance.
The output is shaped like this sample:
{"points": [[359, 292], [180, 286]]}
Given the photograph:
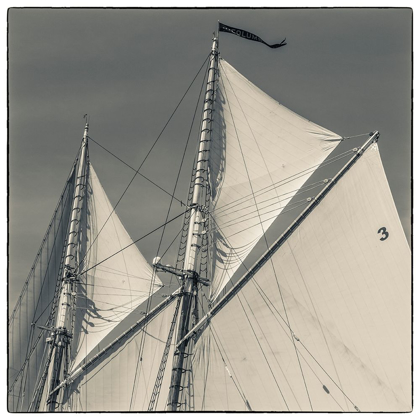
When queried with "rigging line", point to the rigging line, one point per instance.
{"points": [[288, 326], [285, 181], [24, 379], [215, 336], [291, 178], [149, 302], [316, 314], [237, 385], [357, 135], [31, 348], [45, 276], [255, 140], [132, 243], [137, 172], [262, 227], [298, 191], [296, 205], [169, 246], [182, 161], [265, 297], [281, 295], [45, 236], [144, 160], [257, 210], [259, 344], [26, 361]]}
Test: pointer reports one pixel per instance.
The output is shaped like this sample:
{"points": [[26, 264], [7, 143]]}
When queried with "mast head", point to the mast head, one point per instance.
{"points": [[85, 133], [86, 117]]}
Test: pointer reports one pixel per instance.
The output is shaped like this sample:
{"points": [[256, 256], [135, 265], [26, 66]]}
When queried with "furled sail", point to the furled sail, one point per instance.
{"points": [[124, 379], [325, 323], [114, 288], [27, 355], [260, 154]]}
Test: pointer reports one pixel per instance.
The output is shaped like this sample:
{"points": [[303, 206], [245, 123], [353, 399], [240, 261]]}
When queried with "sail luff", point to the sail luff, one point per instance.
{"points": [[277, 244]]}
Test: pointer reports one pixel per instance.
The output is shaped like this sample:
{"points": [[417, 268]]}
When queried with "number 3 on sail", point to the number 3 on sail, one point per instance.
{"points": [[384, 232]]}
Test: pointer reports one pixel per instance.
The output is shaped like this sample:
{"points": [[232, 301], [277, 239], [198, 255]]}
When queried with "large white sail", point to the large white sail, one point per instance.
{"points": [[261, 153], [114, 288], [325, 324], [28, 354], [124, 379]]}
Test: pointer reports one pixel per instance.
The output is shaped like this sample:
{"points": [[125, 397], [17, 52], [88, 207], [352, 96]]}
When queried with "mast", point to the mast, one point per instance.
{"points": [[61, 335], [194, 230]]}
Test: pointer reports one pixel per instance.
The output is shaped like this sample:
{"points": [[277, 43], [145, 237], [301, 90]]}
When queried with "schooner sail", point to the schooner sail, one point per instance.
{"points": [[321, 322]]}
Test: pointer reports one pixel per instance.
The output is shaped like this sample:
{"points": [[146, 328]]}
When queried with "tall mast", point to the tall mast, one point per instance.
{"points": [[194, 230], [62, 333]]}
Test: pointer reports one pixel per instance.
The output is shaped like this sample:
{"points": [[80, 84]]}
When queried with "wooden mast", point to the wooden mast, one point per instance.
{"points": [[194, 230], [62, 333]]}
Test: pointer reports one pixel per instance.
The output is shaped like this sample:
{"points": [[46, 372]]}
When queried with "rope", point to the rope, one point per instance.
{"points": [[265, 297], [149, 302], [358, 135], [137, 172], [142, 163], [286, 180], [132, 243]]}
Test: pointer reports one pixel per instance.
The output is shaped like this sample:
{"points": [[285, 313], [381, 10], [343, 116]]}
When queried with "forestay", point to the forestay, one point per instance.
{"points": [[123, 380], [325, 324], [261, 153], [114, 288]]}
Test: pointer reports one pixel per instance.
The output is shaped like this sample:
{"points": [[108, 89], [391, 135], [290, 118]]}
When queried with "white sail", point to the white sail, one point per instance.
{"points": [[261, 153], [325, 324], [28, 353], [114, 288], [124, 379]]}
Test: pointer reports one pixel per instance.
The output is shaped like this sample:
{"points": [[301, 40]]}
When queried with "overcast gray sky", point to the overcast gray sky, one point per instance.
{"points": [[348, 70]]}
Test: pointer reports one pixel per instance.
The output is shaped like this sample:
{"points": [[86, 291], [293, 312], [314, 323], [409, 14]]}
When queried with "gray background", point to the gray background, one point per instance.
{"points": [[348, 70]]}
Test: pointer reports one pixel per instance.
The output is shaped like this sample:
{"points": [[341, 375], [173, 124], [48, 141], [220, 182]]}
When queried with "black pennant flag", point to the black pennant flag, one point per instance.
{"points": [[247, 35]]}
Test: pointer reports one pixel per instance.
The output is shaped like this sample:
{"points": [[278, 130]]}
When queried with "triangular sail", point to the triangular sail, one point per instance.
{"points": [[124, 379], [261, 153], [113, 289], [325, 323], [27, 347]]}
